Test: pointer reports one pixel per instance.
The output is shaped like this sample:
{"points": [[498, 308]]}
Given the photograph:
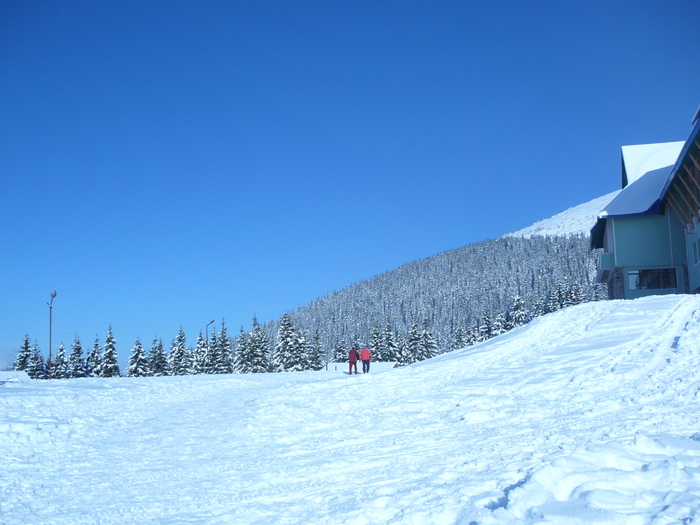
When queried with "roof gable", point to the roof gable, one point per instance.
{"points": [[640, 159]]}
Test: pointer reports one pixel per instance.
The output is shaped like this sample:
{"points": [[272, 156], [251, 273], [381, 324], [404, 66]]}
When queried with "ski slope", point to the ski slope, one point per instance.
{"points": [[587, 415]]}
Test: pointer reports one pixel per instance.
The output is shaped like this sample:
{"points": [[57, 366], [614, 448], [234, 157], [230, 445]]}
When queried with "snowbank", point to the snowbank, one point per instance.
{"points": [[12, 376]]}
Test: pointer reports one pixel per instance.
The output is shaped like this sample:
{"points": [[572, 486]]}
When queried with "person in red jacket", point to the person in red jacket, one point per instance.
{"points": [[366, 357], [353, 356]]}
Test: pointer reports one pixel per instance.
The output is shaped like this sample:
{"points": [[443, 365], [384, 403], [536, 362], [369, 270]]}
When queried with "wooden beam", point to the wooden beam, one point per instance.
{"points": [[680, 193], [692, 194], [692, 176], [675, 209], [684, 218], [694, 159]]}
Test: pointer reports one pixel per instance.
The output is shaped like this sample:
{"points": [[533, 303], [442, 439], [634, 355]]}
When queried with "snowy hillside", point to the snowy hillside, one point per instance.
{"points": [[579, 219], [587, 415]]}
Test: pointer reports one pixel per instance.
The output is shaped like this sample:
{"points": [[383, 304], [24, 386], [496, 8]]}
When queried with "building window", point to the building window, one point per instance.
{"points": [[695, 253], [652, 279]]}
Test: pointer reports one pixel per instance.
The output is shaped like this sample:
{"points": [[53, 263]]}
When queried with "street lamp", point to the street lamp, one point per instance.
{"points": [[206, 331], [50, 364]]}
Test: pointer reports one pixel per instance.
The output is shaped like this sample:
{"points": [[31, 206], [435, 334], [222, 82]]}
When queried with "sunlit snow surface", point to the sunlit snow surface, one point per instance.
{"points": [[579, 219], [583, 416]]}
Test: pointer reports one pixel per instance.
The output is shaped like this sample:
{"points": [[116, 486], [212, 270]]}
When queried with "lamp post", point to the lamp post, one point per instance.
{"points": [[206, 331], [50, 364]]}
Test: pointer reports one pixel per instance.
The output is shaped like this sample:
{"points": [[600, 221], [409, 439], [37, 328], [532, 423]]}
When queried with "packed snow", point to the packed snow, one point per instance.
{"points": [[587, 415], [579, 219]]}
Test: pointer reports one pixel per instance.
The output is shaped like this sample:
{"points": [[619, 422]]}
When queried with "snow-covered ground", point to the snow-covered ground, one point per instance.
{"points": [[579, 219], [588, 415]]}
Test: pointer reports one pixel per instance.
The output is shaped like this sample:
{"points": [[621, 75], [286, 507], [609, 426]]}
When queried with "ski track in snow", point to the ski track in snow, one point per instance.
{"points": [[582, 416]]}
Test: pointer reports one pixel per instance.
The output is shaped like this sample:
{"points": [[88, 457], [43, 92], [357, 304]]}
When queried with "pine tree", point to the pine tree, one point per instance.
{"points": [[402, 357], [157, 359], [240, 356], [290, 348], [178, 363], [36, 367], [518, 313], [93, 363], [429, 345], [201, 363], [414, 346], [376, 344], [485, 327], [138, 362], [253, 352], [225, 354], [316, 358], [473, 335], [391, 345], [340, 352], [459, 340], [76, 363], [110, 366], [23, 356], [60, 364], [499, 325]]}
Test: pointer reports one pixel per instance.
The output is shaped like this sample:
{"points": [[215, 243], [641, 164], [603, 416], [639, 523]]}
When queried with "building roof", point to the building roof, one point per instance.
{"points": [[641, 197]]}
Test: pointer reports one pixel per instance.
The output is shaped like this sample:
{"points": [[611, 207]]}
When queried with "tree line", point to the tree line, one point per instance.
{"points": [[292, 351]]}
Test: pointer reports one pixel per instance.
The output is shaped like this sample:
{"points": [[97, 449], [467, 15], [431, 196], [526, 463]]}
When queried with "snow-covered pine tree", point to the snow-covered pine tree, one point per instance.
{"points": [[538, 307], [402, 357], [518, 313], [36, 367], [93, 362], [178, 361], [340, 352], [225, 358], [201, 363], [316, 355], [485, 327], [213, 355], [290, 355], [157, 358], [554, 300], [60, 364], [459, 339], [376, 344], [428, 343], [110, 365], [414, 345], [240, 355], [76, 363], [138, 362], [24, 355], [254, 350], [391, 344], [499, 325]]}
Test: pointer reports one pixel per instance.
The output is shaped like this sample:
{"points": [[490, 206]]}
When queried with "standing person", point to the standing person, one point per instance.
{"points": [[352, 359], [366, 357]]}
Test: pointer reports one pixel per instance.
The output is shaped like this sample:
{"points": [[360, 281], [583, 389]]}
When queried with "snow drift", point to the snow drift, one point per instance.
{"points": [[587, 415]]}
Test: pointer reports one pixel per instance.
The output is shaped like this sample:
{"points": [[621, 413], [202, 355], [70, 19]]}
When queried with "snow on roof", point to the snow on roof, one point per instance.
{"points": [[640, 197], [643, 158]]}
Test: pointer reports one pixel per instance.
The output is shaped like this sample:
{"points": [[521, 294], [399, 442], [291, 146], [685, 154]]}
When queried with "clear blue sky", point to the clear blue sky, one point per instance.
{"points": [[170, 163]]}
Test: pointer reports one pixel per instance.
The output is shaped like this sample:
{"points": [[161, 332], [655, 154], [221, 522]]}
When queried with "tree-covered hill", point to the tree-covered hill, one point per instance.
{"points": [[457, 290]]}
